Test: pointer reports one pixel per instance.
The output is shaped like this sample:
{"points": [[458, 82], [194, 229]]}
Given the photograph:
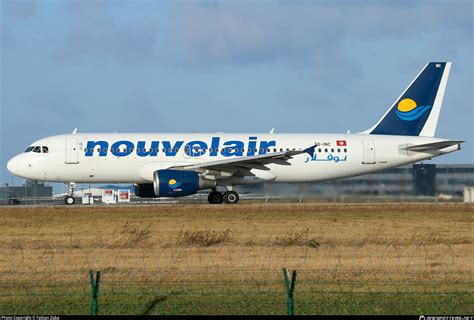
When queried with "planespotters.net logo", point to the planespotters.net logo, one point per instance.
{"points": [[422, 317]]}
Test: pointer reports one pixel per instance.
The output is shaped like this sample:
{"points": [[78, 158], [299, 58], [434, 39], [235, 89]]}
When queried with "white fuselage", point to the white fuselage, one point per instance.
{"points": [[336, 155]]}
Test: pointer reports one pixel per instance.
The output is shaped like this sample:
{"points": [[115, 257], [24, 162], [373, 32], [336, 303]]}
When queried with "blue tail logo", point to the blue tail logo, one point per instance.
{"points": [[412, 110], [408, 110]]}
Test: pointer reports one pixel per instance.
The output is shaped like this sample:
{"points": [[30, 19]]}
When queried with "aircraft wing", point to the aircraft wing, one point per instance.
{"points": [[433, 146], [245, 164]]}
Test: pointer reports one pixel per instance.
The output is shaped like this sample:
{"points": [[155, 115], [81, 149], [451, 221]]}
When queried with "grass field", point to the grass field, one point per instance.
{"points": [[176, 259]]}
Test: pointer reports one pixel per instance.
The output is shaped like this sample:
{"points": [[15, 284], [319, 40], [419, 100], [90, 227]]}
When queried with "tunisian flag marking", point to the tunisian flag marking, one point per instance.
{"points": [[341, 143]]}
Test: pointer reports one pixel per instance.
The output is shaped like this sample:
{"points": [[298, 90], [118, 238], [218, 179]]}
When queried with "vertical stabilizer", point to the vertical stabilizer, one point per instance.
{"points": [[416, 111]]}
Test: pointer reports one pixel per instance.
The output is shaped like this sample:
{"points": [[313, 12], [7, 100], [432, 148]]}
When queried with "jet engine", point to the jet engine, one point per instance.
{"points": [[179, 183]]}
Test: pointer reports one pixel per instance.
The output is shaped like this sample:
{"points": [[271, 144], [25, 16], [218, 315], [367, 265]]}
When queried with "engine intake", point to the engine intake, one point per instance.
{"points": [[179, 183]]}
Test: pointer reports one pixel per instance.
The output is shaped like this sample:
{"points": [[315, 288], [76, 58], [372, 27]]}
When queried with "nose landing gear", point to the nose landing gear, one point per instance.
{"points": [[69, 198]]}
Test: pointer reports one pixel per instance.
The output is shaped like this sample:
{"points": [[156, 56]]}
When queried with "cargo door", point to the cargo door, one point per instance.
{"points": [[369, 151], [72, 153]]}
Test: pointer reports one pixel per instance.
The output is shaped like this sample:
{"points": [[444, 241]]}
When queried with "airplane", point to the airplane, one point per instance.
{"points": [[177, 165]]}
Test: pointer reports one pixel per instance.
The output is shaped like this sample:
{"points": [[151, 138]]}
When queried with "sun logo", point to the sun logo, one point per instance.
{"points": [[408, 110], [172, 183]]}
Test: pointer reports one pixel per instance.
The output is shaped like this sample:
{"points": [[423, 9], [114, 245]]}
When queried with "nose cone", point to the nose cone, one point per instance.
{"points": [[14, 166]]}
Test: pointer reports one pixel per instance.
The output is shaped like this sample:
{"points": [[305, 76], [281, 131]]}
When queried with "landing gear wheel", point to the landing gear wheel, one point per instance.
{"points": [[215, 197], [231, 197], [69, 200]]}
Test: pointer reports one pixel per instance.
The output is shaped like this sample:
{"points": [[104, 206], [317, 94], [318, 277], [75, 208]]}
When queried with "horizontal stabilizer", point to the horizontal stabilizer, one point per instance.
{"points": [[433, 146]]}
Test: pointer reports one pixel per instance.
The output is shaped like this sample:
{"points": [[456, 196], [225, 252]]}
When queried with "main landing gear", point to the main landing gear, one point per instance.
{"points": [[69, 198], [229, 197]]}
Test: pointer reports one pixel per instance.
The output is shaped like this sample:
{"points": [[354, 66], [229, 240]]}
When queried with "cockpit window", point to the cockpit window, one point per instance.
{"points": [[37, 149]]}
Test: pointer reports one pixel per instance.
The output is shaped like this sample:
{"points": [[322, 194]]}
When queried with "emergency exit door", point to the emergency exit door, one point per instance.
{"points": [[72, 154], [369, 151]]}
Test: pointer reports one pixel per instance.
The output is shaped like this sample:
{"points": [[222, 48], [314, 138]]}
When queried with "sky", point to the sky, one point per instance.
{"points": [[225, 66]]}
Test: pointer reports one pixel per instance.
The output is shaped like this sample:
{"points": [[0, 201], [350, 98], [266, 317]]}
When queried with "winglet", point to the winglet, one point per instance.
{"points": [[310, 150]]}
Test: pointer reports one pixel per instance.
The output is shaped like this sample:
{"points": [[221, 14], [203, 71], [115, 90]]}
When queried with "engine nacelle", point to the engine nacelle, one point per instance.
{"points": [[179, 183], [144, 190]]}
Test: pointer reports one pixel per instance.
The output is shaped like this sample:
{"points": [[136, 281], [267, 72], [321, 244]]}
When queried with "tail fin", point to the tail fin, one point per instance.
{"points": [[416, 111]]}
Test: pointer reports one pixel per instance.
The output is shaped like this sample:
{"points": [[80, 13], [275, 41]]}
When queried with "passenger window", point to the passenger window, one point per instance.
{"points": [[325, 150], [332, 150], [319, 150], [338, 150], [37, 150], [345, 150]]}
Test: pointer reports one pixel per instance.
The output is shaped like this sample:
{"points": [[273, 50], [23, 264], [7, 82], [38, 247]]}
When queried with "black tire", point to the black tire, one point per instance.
{"points": [[69, 200], [231, 197], [215, 197]]}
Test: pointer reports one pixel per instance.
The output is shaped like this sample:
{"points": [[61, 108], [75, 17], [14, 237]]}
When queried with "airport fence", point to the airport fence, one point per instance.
{"points": [[386, 279]]}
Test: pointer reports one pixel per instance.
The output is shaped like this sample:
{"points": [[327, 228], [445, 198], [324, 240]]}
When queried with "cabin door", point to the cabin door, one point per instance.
{"points": [[72, 153]]}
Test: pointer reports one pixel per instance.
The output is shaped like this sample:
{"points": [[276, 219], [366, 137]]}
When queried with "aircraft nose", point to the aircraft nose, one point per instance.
{"points": [[14, 166]]}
